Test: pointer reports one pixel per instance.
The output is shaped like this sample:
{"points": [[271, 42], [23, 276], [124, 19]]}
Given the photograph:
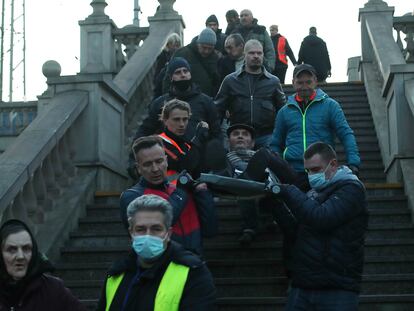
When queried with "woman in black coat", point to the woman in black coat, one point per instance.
{"points": [[23, 282]]}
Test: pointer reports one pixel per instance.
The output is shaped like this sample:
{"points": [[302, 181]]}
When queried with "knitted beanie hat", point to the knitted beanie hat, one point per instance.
{"points": [[207, 36]]}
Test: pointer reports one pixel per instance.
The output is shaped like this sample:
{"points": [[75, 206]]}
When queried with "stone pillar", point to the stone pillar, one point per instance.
{"points": [[353, 69], [97, 53], [400, 119], [377, 23], [166, 14], [50, 69]]}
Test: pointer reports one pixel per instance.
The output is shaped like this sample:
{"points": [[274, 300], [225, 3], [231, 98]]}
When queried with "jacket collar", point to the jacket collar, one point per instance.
{"points": [[320, 95], [243, 70]]}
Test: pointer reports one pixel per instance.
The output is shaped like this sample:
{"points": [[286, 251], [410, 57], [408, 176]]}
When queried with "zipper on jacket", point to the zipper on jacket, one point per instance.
{"points": [[251, 99], [304, 125]]}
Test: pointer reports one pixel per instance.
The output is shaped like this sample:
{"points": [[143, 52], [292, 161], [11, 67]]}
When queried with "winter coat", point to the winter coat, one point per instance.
{"points": [[332, 222], [203, 69], [199, 292], [194, 215], [259, 33], [36, 290], [249, 101], [202, 109], [313, 51], [322, 120]]}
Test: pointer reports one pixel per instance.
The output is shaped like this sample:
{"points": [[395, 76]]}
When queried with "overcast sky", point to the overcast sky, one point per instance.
{"points": [[52, 30]]}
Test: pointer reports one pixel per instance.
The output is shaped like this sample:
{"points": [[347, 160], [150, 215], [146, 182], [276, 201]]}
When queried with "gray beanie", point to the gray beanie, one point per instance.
{"points": [[207, 36]]}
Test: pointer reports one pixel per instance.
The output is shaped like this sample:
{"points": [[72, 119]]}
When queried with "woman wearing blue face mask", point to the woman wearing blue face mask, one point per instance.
{"points": [[158, 274]]}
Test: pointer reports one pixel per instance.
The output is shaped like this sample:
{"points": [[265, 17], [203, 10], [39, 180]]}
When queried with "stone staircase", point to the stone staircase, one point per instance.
{"points": [[253, 278]]}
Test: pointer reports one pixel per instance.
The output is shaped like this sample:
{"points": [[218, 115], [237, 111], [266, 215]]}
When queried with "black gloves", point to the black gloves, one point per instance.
{"points": [[200, 136]]}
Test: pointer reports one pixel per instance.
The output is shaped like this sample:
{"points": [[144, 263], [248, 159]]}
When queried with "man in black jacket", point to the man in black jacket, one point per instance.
{"points": [[251, 95], [203, 58], [182, 88], [331, 222], [213, 24], [313, 51], [157, 274]]}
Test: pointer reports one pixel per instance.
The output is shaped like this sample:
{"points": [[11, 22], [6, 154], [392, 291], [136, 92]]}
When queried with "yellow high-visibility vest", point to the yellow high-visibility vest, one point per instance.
{"points": [[169, 291]]}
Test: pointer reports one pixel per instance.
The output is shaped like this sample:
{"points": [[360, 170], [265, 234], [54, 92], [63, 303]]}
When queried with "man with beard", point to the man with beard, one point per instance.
{"points": [[249, 29], [251, 95], [182, 88]]}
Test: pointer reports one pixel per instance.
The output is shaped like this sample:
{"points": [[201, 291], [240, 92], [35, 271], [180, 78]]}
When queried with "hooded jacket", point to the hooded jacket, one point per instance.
{"points": [[322, 120], [199, 291], [332, 222], [37, 290], [313, 51]]}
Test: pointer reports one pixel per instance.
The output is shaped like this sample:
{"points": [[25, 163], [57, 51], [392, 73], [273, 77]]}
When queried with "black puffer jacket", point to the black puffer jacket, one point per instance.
{"points": [[199, 291], [329, 249], [249, 101]]}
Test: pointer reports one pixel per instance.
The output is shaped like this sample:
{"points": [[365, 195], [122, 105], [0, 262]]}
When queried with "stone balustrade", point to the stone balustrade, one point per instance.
{"points": [[388, 75], [405, 25], [40, 163]]}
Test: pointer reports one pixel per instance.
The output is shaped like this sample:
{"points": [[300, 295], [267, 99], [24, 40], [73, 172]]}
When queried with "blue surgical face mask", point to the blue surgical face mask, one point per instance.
{"points": [[318, 180], [148, 247]]}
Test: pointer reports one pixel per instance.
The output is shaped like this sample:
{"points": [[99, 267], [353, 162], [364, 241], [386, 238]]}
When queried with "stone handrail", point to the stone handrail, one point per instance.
{"points": [[35, 167], [388, 79]]}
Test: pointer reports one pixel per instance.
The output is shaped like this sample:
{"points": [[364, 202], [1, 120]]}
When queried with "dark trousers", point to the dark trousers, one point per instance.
{"points": [[280, 72], [321, 300]]}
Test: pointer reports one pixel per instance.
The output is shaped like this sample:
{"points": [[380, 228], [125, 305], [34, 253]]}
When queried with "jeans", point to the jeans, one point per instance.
{"points": [[322, 300]]}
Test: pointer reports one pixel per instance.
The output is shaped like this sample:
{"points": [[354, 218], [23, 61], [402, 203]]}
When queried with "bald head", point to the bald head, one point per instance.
{"points": [[246, 17]]}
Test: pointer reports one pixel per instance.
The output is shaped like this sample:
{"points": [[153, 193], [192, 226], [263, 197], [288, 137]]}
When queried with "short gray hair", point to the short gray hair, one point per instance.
{"points": [[150, 203], [252, 42]]}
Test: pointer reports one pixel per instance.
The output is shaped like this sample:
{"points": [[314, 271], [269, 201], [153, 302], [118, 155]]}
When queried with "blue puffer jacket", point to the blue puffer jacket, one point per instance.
{"points": [[332, 223], [294, 131]]}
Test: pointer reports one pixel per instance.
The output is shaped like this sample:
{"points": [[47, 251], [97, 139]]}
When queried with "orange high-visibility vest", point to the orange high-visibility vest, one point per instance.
{"points": [[281, 50], [171, 141]]}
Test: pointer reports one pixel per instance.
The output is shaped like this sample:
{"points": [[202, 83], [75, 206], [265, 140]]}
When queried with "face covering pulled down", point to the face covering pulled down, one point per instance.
{"points": [[148, 247]]}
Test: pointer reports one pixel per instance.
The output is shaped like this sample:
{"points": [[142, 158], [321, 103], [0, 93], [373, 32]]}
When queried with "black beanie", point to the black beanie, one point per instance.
{"points": [[211, 19], [175, 63]]}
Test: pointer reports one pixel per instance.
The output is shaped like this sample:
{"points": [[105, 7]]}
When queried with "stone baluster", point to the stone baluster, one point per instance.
{"points": [[166, 7], [409, 57], [67, 162], [18, 209], [41, 190], [60, 175], [34, 210], [49, 176]]}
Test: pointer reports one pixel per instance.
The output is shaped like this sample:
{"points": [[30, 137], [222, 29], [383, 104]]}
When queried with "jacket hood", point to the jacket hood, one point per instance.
{"points": [[343, 173]]}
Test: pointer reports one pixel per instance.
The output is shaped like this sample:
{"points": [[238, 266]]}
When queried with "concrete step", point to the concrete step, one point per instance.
{"points": [[213, 249], [383, 284], [367, 303]]}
